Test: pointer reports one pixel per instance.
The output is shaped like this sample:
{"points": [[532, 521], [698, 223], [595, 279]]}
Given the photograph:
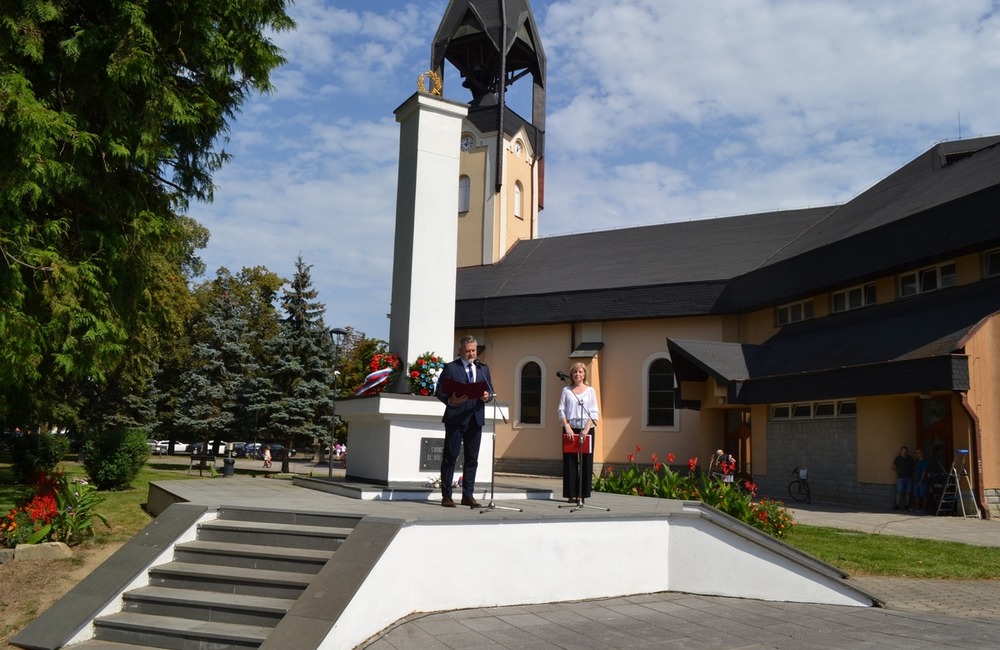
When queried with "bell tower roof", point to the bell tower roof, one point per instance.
{"points": [[492, 44]]}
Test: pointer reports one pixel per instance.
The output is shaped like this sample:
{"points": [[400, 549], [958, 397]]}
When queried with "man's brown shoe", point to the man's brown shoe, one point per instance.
{"points": [[471, 502], [447, 502]]}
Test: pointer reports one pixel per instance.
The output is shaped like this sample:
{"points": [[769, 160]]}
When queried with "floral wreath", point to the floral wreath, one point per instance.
{"points": [[424, 373], [381, 361]]}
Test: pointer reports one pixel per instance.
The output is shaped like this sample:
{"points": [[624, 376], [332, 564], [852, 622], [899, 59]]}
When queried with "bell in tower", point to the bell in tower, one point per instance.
{"points": [[494, 44]]}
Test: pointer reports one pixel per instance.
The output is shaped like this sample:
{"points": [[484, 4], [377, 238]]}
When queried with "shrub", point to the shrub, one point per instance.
{"points": [[113, 458], [735, 498], [36, 454]]}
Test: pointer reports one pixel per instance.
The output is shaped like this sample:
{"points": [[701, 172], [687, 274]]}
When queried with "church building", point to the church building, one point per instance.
{"points": [[823, 338]]}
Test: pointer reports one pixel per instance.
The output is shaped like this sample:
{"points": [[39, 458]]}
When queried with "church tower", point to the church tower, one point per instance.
{"points": [[494, 44]]}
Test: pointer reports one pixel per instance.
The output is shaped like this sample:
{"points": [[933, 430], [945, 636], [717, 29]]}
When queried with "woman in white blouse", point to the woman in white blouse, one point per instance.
{"points": [[578, 413]]}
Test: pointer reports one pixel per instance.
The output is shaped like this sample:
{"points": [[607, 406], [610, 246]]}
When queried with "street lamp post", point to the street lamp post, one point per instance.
{"points": [[337, 335]]}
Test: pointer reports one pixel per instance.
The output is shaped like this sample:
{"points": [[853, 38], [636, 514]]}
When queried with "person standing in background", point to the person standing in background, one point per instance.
{"points": [[578, 413], [904, 465]]}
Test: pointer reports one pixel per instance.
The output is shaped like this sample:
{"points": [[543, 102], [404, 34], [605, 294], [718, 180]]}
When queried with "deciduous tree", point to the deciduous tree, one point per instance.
{"points": [[112, 117]]}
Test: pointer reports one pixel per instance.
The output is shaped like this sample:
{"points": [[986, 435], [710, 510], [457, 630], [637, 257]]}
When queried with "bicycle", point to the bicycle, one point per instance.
{"points": [[799, 488]]}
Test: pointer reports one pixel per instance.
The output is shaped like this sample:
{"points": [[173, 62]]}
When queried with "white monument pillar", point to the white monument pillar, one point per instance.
{"points": [[395, 438], [426, 243]]}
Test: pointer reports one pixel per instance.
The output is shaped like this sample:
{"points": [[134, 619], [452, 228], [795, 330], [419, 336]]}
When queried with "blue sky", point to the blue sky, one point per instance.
{"points": [[658, 111]]}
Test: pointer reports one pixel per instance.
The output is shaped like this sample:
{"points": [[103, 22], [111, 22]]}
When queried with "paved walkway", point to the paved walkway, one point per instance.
{"points": [[917, 614]]}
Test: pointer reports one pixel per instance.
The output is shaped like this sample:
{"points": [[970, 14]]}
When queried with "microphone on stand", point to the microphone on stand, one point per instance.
{"points": [[479, 364], [562, 375]]}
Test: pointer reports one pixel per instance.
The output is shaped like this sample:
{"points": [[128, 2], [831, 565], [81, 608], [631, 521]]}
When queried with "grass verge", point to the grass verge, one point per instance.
{"points": [[888, 555]]}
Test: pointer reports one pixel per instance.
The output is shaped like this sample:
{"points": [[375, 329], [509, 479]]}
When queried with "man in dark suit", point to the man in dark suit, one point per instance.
{"points": [[463, 421]]}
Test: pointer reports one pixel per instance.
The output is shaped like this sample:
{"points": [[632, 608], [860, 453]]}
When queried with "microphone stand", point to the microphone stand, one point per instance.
{"points": [[581, 504], [492, 505]]}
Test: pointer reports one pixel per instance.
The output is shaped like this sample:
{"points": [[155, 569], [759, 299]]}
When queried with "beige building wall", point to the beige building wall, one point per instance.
{"points": [[490, 228], [519, 162], [884, 425], [758, 438], [983, 398], [547, 346], [758, 327], [617, 372], [968, 268], [473, 164]]}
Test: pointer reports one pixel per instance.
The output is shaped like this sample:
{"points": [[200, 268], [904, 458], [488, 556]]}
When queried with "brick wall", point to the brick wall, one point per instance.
{"points": [[829, 450], [993, 502]]}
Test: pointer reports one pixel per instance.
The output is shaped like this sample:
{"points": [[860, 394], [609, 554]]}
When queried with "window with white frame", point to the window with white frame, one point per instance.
{"points": [[464, 190], [931, 278], [794, 312], [530, 385], [853, 298], [814, 410], [518, 198], [661, 394], [992, 262]]}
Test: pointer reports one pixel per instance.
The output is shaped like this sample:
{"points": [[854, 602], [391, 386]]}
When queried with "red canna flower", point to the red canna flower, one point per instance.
{"points": [[657, 467], [638, 448], [692, 463], [631, 458], [670, 459], [654, 458]]}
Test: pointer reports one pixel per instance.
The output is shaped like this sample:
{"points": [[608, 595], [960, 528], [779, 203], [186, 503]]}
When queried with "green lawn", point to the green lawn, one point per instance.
{"points": [[889, 555]]}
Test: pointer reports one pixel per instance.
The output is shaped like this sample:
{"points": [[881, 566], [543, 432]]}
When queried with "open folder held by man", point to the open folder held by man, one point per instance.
{"points": [[472, 390]]}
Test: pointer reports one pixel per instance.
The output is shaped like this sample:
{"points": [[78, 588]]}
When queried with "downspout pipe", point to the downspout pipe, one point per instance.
{"points": [[977, 446]]}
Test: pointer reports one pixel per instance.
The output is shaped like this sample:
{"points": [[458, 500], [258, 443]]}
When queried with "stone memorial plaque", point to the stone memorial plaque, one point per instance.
{"points": [[431, 450]]}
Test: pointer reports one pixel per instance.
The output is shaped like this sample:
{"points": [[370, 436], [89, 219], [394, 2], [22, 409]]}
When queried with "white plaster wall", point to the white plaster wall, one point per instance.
{"points": [[530, 562]]}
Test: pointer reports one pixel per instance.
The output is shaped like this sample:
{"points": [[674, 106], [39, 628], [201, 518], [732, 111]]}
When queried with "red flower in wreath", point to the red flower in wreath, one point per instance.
{"points": [[378, 379]]}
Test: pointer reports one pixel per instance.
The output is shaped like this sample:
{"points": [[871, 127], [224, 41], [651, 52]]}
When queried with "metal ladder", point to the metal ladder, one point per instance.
{"points": [[952, 497]]}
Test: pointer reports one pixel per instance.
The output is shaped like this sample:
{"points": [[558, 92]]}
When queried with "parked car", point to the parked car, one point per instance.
{"points": [[237, 449], [198, 448], [158, 447], [277, 451], [252, 449]]}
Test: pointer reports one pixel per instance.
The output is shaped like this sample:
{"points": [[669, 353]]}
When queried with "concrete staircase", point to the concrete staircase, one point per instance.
{"points": [[229, 587]]}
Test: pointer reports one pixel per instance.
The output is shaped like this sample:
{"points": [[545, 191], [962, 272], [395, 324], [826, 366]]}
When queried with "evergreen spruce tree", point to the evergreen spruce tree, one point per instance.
{"points": [[301, 371], [218, 379]]}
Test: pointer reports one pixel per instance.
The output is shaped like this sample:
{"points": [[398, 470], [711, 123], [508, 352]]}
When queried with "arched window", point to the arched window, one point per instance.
{"points": [[464, 188], [530, 394], [518, 193], [661, 390]]}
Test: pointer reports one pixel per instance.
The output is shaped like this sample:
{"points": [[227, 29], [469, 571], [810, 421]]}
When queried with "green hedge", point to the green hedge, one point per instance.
{"points": [[113, 458], [34, 454]]}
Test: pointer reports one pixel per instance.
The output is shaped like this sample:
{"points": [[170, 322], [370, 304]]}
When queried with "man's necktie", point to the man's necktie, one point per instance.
{"points": [[468, 371]]}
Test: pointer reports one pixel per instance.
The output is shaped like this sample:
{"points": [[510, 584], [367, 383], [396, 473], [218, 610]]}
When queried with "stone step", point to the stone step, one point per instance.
{"points": [[198, 605], [229, 580], [99, 644], [289, 517], [177, 633], [273, 534], [252, 556]]}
